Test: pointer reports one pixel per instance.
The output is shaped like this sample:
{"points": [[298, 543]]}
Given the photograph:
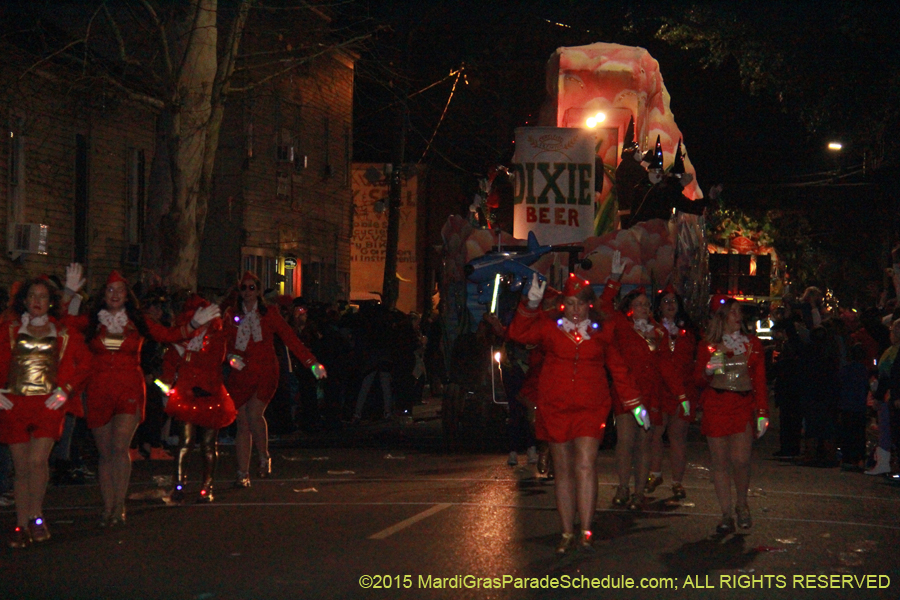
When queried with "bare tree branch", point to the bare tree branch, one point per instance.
{"points": [[297, 62], [163, 40], [123, 54]]}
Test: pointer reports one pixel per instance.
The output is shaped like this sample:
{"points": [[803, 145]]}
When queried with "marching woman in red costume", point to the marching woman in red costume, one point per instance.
{"points": [[251, 330], [41, 362], [196, 397], [644, 345], [731, 365], [573, 396], [676, 415], [115, 397]]}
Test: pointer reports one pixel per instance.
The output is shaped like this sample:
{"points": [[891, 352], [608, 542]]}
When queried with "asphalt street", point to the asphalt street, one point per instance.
{"points": [[380, 510]]}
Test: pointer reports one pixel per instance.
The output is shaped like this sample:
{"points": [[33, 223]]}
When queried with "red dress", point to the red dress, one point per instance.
{"points": [[649, 358], [29, 417], [726, 412], [684, 352], [260, 375], [573, 394], [116, 382], [199, 396]]}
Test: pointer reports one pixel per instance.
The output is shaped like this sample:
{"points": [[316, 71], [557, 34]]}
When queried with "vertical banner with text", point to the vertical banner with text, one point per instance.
{"points": [[367, 249], [554, 184]]}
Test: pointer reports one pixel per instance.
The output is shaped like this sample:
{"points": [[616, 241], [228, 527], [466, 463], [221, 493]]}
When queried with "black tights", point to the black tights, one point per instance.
{"points": [[208, 449]]}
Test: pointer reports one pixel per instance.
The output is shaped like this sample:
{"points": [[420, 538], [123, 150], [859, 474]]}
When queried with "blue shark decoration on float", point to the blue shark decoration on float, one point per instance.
{"points": [[511, 266]]}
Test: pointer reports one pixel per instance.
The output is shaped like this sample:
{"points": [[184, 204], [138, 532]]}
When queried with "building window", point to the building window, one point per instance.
{"points": [[136, 195], [263, 267], [284, 148]]}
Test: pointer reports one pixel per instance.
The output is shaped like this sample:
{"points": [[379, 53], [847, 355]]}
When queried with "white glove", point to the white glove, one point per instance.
{"points": [[5, 404], [237, 363], [56, 399], [716, 362], [74, 277], [618, 265], [318, 370], [762, 424], [641, 416], [205, 315], [536, 291]]}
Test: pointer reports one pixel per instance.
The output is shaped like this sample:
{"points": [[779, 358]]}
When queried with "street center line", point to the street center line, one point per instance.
{"points": [[410, 521]]}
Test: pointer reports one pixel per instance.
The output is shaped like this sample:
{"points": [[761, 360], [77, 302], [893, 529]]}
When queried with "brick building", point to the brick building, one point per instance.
{"points": [[282, 204], [75, 170]]}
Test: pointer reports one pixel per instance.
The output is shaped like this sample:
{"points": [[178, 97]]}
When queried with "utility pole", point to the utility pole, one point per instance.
{"points": [[390, 288]]}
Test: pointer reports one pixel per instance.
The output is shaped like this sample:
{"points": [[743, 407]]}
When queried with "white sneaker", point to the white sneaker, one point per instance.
{"points": [[513, 459], [532, 455]]}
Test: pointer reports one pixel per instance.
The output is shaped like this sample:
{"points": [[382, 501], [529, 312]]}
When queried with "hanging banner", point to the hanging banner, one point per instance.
{"points": [[554, 184]]}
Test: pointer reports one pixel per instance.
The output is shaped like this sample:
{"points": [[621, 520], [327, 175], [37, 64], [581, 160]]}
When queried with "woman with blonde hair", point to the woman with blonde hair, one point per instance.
{"points": [[735, 403]]}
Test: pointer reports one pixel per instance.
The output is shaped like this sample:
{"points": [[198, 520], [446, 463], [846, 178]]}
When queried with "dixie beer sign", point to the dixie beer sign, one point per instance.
{"points": [[554, 184]]}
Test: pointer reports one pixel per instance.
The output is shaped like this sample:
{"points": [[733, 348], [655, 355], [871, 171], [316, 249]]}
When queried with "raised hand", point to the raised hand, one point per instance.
{"points": [[205, 315], [74, 277], [536, 291]]}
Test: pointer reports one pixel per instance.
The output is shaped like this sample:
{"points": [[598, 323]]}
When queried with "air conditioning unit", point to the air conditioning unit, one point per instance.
{"points": [[132, 255], [28, 238]]}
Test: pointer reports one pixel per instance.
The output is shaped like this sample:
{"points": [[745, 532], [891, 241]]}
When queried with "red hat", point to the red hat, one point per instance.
{"points": [[669, 289], [114, 277], [574, 285], [716, 302], [249, 275]]}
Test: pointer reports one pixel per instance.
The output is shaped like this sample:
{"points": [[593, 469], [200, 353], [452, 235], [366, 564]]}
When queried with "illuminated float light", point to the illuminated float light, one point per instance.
{"points": [[165, 389], [595, 120], [835, 146]]}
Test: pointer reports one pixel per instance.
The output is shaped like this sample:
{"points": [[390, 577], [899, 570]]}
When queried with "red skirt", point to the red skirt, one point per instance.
{"points": [[262, 381], [725, 413], [30, 418], [202, 408]]}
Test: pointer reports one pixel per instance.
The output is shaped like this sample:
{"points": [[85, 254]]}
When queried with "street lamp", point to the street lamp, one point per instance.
{"points": [[835, 146]]}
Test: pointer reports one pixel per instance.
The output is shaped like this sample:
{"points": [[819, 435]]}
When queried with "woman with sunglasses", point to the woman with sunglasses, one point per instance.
{"points": [[644, 345], [41, 362], [251, 328], [115, 330]]}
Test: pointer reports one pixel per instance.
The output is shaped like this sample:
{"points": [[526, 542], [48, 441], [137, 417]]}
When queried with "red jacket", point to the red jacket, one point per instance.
{"points": [[652, 369], [261, 355]]}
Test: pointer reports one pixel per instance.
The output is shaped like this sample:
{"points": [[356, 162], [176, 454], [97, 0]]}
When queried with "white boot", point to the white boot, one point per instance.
{"points": [[882, 464]]}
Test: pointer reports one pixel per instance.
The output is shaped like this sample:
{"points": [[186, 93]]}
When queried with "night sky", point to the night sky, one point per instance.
{"points": [[756, 117]]}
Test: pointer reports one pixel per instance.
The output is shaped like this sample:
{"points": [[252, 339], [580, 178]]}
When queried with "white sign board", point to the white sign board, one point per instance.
{"points": [[554, 184]]}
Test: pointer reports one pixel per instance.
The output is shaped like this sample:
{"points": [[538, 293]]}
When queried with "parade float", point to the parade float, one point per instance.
{"points": [[606, 171]]}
